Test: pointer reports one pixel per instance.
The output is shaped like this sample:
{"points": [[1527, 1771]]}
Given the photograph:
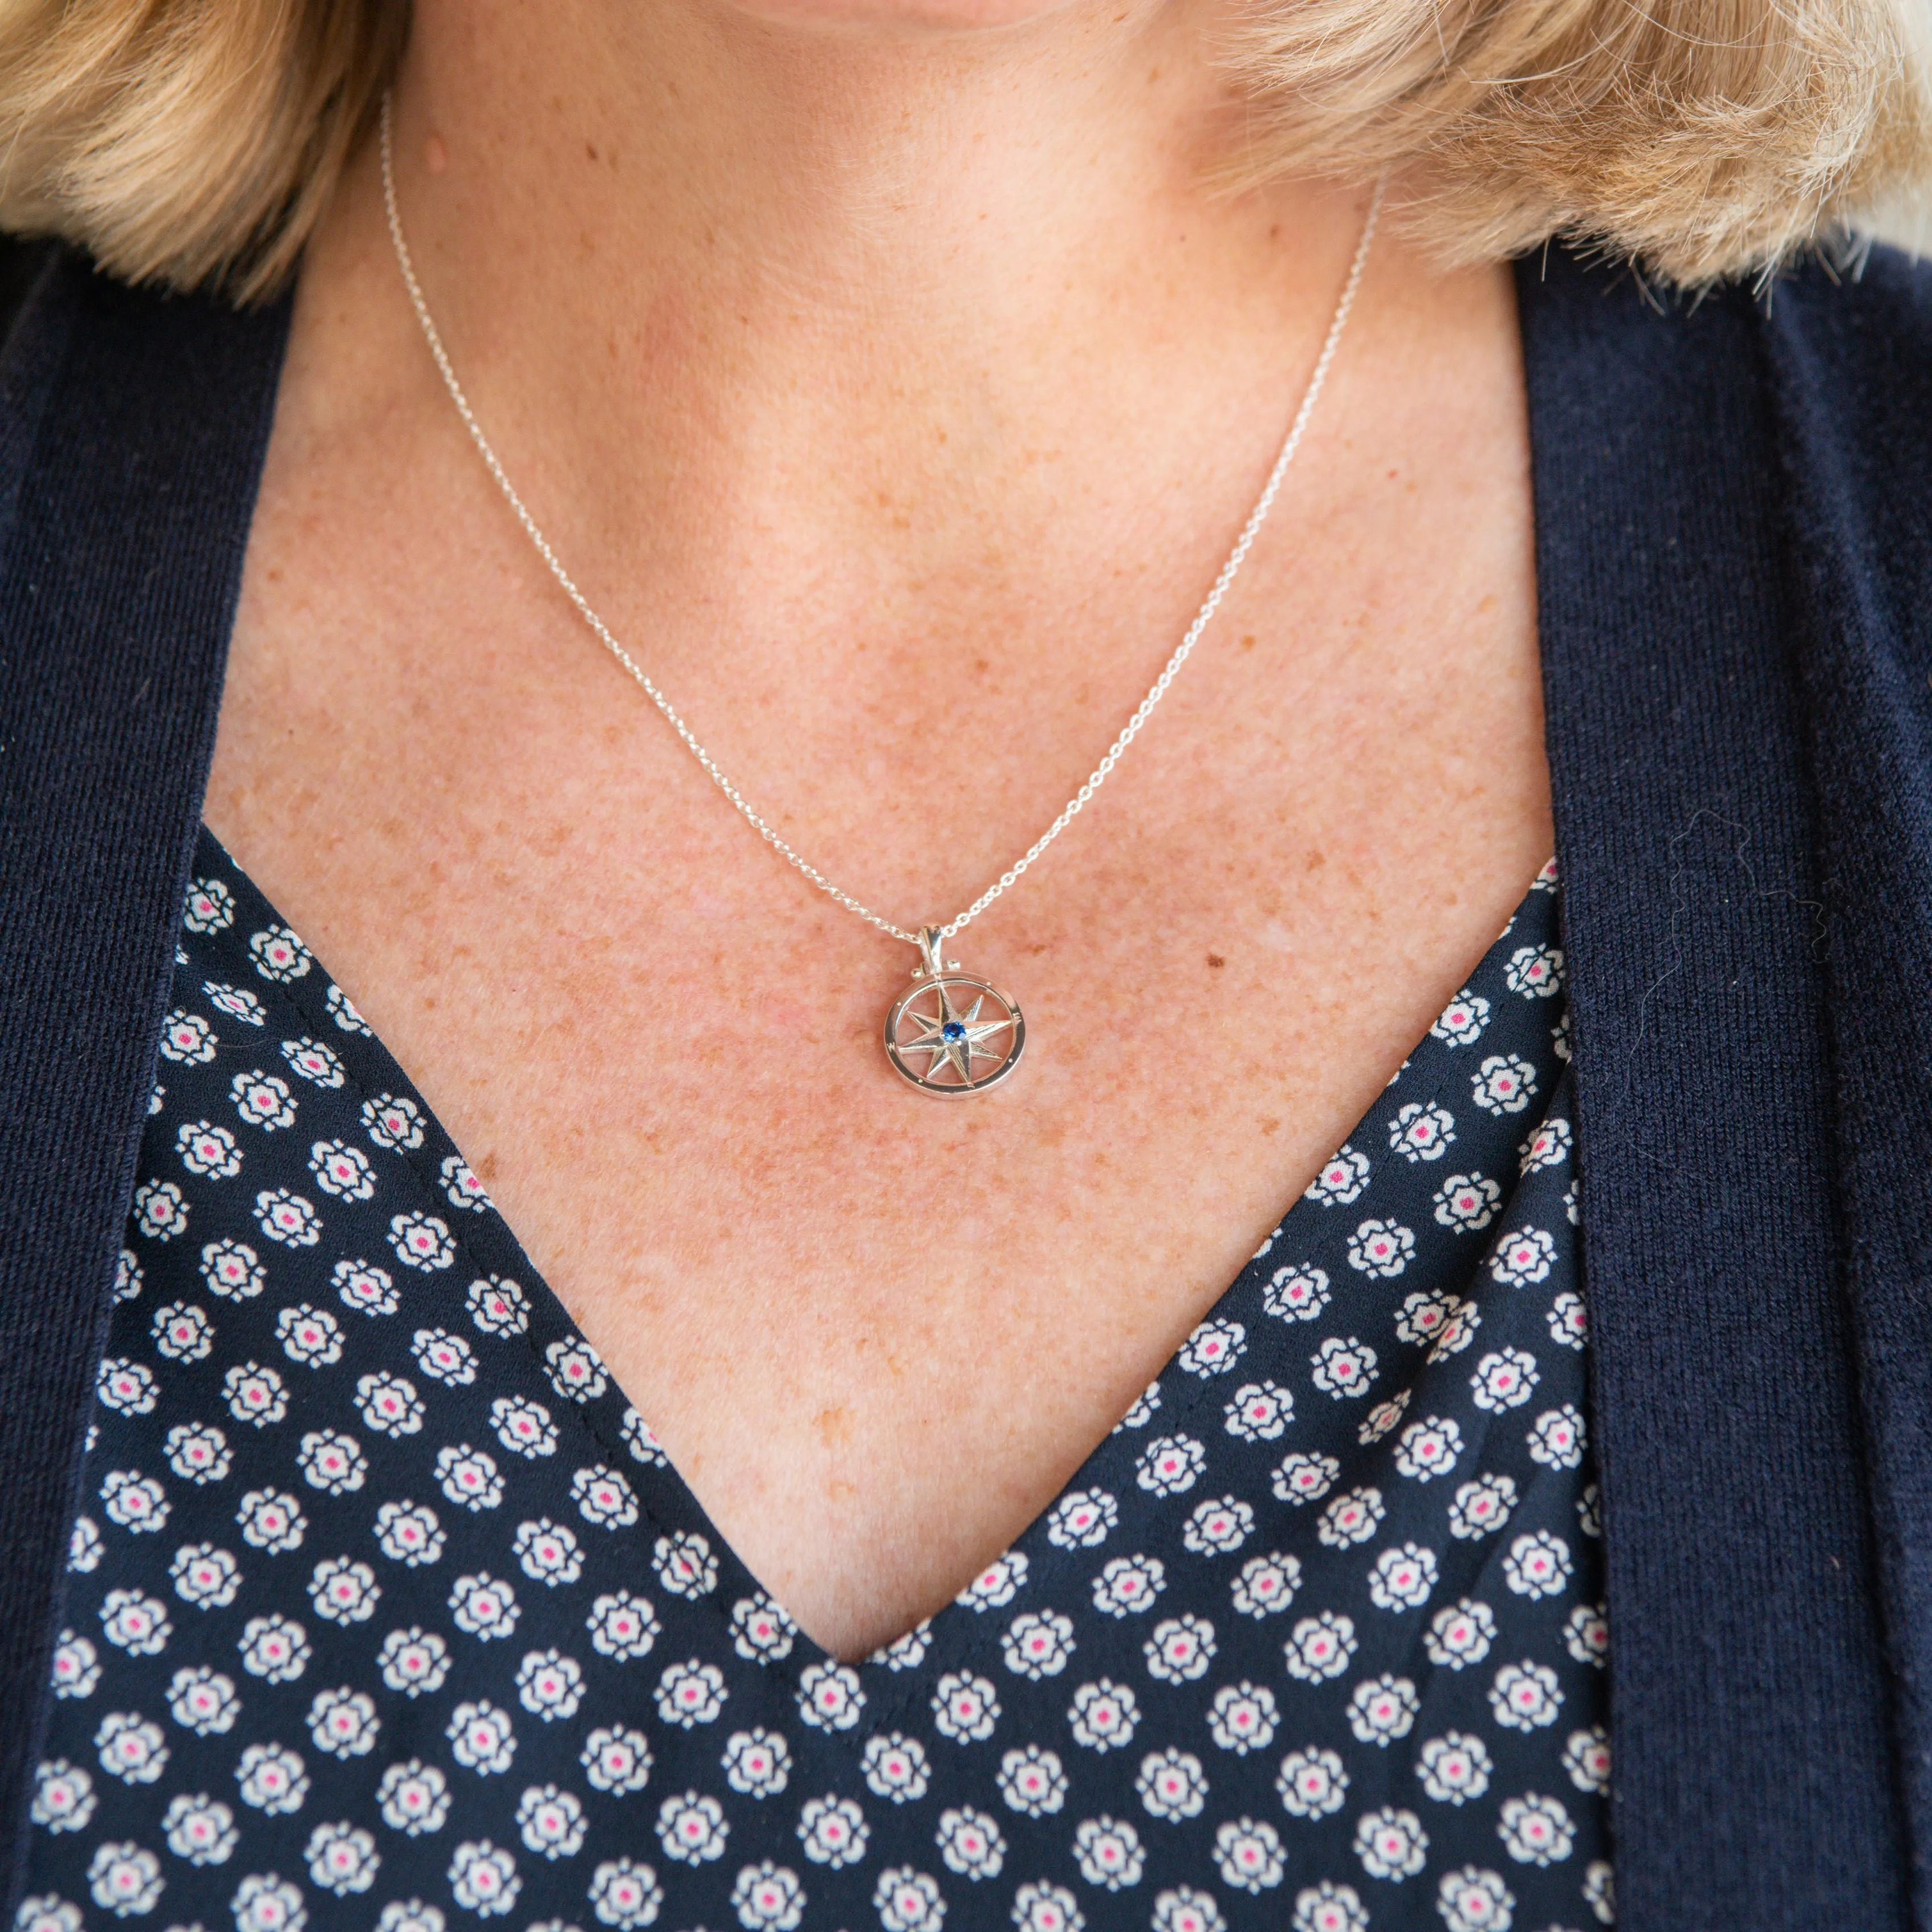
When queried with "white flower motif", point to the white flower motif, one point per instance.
{"points": [[124, 1386], [135, 1623], [1548, 1147], [483, 1878], [895, 1767], [414, 1797], [369, 1291], [287, 1218], [1042, 1907], [198, 1451], [204, 1576], [1312, 1783], [1422, 1131], [1381, 1709], [210, 908], [460, 1184], [123, 1879], [1214, 1348], [1081, 1519], [833, 1832], [279, 955], [603, 1497], [1218, 1529], [389, 1405], [232, 1270], [1180, 1650], [272, 1780], [311, 1060], [341, 1170], [1172, 1784], [470, 1477], [1170, 1465], [1586, 1635], [965, 1708], [343, 1592], [1556, 1438], [1127, 1584], [641, 1439], [341, 1858], [236, 1001], [393, 1121], [421, 1241], [524, 1428], [1108, 1852], [549, 1684], [412, 1916], [575, 1369], [160, 1209], [255, 1394], [1536, 972], [263, 1100], [1454, 1767], [1503, 1084], [1033, 1781], [1504, 1380], [1383, 1417], [133, 1501], [202, 1700], [1391, 1844], [1458, 1331], [199, 1829], [685, 1565], [275, 1649], [1259, 1411], [1342, 1177], [1104, 1716], [498, 1306], [1142, 1413], [768, 1897], [691, 1828], [1329, 1907], [622, 1626], [1266, 1584], [1352, 1517], [1463, 1020], [1402, 1579], [1586, 1757], [617, 1760], [1297, 1293], [481, 1738], [1524, 1696], [1523, 1258], [971, 1843], [692, 1693], [206, 1149], [483, 1607], [1460, 1634], [76, 1667], [63, 1799], [1320, 1646], [626, 1894], [1467, 1203], [444, 1358], [128, 1276], [1536, 1831], [1343, 1368], [548, 1553], [907, 1652], [1568, 1321], [1301, 1478], [996, 1585], [264, 1903], [1475, 1900], [309, 1336], [1038, 1643], [331, 1461], [1429, 1448], [188, 1037], [414, 1661], [409, 1533], [1249, 1855], [1538, 1565]]}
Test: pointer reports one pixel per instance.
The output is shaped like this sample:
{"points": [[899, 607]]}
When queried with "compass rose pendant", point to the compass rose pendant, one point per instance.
{"points": [[951, 1034]]}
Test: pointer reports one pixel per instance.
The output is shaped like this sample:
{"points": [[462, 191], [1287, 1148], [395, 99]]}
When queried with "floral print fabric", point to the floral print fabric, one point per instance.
{"points": [[386, 1609]]}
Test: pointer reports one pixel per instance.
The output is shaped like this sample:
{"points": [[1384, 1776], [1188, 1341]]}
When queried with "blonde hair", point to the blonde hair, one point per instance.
{"points": [[192, 142]]}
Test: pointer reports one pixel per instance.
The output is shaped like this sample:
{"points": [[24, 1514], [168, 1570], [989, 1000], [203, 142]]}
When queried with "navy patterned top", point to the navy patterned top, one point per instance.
{"points": [[387, 1610]]}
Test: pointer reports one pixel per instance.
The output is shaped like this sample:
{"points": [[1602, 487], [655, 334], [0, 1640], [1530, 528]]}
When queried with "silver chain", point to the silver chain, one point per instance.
{"points": [[1230, 570]]}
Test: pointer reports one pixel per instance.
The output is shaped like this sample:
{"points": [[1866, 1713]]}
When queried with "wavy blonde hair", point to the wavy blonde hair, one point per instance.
{"points": [[194, 142]]}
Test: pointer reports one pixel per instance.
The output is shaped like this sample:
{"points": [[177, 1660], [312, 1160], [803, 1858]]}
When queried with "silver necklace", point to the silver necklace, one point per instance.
{"points": [[950, 1020]]}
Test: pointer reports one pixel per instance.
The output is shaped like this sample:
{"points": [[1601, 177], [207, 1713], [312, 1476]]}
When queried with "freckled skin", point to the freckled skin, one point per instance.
{"points": [[906, 549]]}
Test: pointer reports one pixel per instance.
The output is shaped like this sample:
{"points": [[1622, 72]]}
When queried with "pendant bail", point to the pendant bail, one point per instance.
{"points": [[930, 939]]}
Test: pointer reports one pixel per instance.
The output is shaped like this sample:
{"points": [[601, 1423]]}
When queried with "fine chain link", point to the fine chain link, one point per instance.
{"points": [[1156, 691]]}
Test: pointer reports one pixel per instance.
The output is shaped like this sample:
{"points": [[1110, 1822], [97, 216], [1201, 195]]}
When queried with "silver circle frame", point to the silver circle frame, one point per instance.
{"points": [[954, 1090]]}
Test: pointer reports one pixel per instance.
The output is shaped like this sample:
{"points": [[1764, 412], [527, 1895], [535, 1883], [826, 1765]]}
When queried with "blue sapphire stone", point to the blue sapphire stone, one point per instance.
{"points": [[952, 1030]]}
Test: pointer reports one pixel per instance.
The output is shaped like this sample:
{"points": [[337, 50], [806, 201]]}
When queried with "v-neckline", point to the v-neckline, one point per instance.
{"points": [[953, 1627]]}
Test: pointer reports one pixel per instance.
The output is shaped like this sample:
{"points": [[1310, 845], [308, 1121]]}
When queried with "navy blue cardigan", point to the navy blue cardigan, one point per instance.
{"points": [[1734, 551]]}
